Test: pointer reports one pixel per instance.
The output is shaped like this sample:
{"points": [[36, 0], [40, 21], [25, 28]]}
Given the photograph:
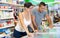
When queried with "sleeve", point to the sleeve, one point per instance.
{"points": [[45, 13], [33, 12]]}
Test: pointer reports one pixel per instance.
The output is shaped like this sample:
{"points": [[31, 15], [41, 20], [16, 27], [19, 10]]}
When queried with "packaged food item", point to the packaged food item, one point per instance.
{"points": [[15, 1], [9, 22], [21, 2], [11, 15], [3, 0], [5, 24], [5, 7], [2, 7], [1, 25], [9, 1], [1, 14], [7, 31]]}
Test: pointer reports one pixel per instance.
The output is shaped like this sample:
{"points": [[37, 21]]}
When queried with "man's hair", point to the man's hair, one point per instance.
{"points": [[42, 3], [52, 11], [56, 11], [27, 5]]}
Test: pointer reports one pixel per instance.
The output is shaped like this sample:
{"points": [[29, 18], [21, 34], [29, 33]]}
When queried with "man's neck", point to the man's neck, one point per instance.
{"points": [[39, 10]]}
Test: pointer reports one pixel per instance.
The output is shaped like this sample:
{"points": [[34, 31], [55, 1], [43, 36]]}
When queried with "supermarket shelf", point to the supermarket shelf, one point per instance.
{"points": [[12, 4], [57, 24], [6, 18], [7, 27], [2, 35], [6, 9]]}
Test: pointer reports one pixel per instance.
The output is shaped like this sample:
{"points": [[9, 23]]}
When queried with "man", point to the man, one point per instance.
{"points": [[38, 14]]}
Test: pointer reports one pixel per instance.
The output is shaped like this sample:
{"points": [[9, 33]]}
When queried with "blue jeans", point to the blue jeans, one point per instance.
{"points": [[18, 34]]}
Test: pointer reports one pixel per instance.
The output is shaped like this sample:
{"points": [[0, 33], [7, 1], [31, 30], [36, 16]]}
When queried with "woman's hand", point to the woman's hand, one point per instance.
{"points": [[30, 34]]}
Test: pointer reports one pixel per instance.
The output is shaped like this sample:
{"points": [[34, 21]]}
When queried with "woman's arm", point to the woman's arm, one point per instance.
{"points": [[22, 23]]}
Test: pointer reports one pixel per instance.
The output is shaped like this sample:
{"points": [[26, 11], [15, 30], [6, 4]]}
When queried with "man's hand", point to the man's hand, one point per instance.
{"points": [[49, 21], [36, 31], [51, 26], [30, 34]]}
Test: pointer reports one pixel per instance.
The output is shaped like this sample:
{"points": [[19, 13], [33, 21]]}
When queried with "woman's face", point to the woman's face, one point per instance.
{"points": [[29, 9]]}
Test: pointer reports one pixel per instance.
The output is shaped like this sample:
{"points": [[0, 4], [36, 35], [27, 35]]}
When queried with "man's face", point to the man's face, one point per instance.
{"points": [[42, 8]]}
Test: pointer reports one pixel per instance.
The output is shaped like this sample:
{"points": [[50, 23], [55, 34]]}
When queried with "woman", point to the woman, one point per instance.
{"points": [[25, 22]]}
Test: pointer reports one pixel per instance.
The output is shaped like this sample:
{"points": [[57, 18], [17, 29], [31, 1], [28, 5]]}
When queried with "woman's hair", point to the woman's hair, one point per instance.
{"points": [[27, 5]]}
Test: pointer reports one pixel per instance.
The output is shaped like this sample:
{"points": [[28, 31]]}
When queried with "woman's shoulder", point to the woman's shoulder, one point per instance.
{"points": [[20, 13]]}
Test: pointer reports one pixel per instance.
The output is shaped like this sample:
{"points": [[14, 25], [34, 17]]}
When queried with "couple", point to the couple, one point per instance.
{"points": [[30, 15]]}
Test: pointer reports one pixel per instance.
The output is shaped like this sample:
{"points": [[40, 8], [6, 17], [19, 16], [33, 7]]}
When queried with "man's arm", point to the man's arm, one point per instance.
{"points": [[34, 22], [32, 26], [49, 20]]}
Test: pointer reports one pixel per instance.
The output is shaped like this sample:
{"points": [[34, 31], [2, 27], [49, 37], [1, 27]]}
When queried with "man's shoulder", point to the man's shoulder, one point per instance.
{"points": [[35, 8], [34, 11]]}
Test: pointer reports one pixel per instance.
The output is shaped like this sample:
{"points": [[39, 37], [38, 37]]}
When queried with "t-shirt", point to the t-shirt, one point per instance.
{"points": [[38, 16]]}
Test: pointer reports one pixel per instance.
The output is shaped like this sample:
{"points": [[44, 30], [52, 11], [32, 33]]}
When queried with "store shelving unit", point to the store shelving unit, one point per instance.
{"points": [[11, 17], [12, 4], [8, 18], [18, 5], [3, 35], [7, 27], [6, 9]]}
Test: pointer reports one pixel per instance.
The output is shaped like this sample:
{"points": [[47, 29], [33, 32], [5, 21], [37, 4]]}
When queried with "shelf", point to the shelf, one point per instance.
{"points": [[11, 4], [57, 24], [2, 35], [6, 9], [6, 18], [7, 27]]}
